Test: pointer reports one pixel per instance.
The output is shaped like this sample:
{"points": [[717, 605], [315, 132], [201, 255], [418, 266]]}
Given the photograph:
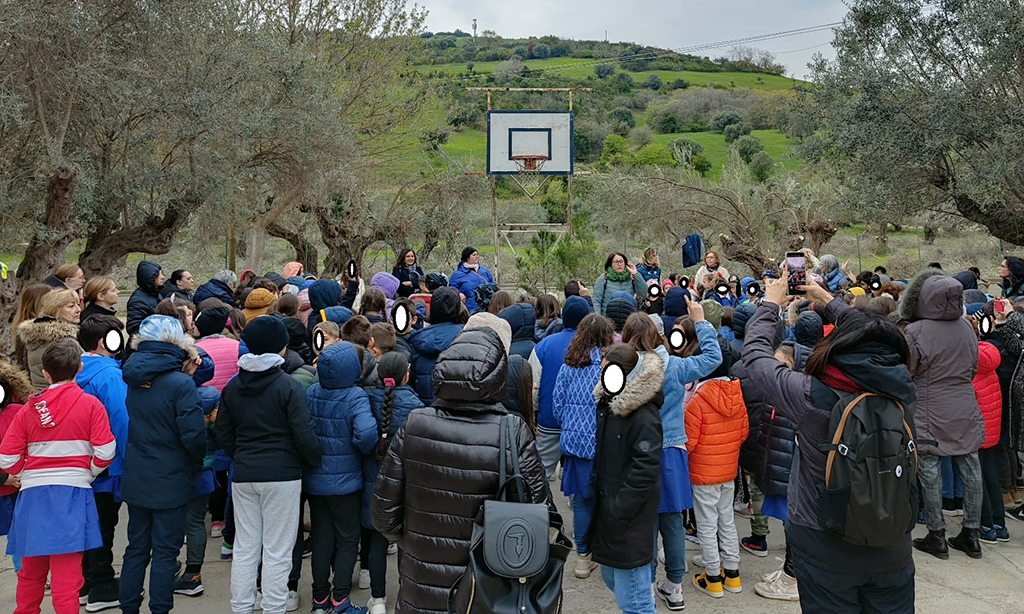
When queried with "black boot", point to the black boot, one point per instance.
{"points": [[967, 542], [934, 544]]}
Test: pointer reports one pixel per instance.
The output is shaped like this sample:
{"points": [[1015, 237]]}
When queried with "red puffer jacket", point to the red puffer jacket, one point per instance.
{"points": [[986, 387], [716, 426]]}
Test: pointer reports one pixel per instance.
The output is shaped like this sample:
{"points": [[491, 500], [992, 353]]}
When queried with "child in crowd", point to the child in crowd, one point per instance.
{"points": [[575, 412], [190, 583], [384, 339], [15, 388], [56, 448], [627, 469], [346, 430], [990, 401], [165, 450], [391, 403], [101, 336], [357, 331], [716, 426], [332, 335]]}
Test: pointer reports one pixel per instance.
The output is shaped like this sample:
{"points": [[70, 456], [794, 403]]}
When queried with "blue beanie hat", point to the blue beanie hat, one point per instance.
{"points": [[265, 335], [974, 308], [161, 328], [575, 309]]}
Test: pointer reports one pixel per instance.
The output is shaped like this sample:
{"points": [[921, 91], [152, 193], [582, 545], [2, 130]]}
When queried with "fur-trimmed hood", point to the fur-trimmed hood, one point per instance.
{"points": [[15, 383], [638, 391], [932, 295], [45, 330]]}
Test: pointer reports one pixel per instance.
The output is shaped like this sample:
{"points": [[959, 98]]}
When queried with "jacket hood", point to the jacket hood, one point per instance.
{"points": [[728, 395], [640, 390], [324, 293], [967, 280], [713, 312], [473, 370], [575, 309], [485, 319], [387, 282], [521, 317], [93, 366], [292, 269], [675, 302], [932, 295], [809, 329], [338, 366], [145, 275], [260, 298], [296, 331], [619, 310], [57, 402], [204, 373], [15, 383], [153, 358], [876, 368], [740, 317], [45, 330], [444, 305], [627, 296]]}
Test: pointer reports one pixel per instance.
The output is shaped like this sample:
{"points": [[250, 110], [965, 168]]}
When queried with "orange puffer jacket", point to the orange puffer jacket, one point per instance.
{"points": [[986, 387], [716, 426]]}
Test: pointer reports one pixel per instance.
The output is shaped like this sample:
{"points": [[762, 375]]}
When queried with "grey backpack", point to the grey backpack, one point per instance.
{"points": [[870, 492]]}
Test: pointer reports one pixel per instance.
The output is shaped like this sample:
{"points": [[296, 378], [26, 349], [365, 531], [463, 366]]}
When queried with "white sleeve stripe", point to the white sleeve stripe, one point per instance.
{"points": [[60, 449], [106, 451], [9, 460]]}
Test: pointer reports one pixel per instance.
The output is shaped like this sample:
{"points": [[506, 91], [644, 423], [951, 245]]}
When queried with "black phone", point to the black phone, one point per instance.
{"points": [[796, 265]]}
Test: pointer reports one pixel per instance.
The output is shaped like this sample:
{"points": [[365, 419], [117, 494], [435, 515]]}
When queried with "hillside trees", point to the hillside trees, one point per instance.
{"points": [[923, 102]]}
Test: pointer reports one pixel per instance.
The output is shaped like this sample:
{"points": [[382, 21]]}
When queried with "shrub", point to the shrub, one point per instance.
{"points": [[653, 82], [761, 166], [624, 81], [735, 131], [640, 136], [616, 151], [653, 154], [541, 51], [679, 84], [622, 120], [701, 164], [726, 117], [604, 70], [684, 150], [747, 147], [666, 123]]}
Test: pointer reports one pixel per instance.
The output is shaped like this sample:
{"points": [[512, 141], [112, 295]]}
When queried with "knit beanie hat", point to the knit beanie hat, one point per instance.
{"points": [[493, 322], [259, 299], [659, 324], [161, 328], [619, 310], [466, 253], [713, 312], [575, 309], [277, 278], [265, 335], [628, 296], [212, 321]]}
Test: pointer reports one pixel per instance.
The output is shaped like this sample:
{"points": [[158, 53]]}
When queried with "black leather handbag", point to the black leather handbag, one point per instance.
{"points": [[517, 550]]}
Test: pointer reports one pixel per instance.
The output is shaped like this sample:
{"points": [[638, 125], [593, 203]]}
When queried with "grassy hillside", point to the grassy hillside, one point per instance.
{"points": [[580, 68], [470, 148]]}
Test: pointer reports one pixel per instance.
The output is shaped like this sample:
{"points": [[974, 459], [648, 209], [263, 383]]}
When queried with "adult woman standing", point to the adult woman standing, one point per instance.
{"points": [[1012, 272], [59, 314], [649, 267], [470, 274], [28, 309], [415, 501], [100, 297], [712, 266], [410, 275], [619, 276], [68, 276], [864, 353]]}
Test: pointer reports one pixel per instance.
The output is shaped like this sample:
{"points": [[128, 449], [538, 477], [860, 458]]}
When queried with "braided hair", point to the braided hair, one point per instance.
{"points": [[391, 369]]}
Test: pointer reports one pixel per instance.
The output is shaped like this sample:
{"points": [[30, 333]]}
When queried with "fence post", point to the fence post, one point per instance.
{"points": [[920, 264], [860, 261]]}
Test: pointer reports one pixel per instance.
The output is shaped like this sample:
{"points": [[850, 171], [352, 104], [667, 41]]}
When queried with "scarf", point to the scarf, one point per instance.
{"points": [[612, 275], [837, 380], [471, 267]]}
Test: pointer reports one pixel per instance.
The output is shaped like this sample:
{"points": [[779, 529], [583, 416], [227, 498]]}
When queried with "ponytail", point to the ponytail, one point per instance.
{"points": [[384, 424]]}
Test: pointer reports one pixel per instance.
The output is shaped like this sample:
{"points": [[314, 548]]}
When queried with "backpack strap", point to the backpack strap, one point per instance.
{"points": [[839, 435]]}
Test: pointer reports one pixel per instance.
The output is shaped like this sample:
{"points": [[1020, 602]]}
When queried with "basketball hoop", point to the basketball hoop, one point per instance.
{"points": [[530, 167]]}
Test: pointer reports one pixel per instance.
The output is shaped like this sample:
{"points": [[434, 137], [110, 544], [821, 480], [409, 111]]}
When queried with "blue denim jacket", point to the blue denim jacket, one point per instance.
{"points": [[679, 372]]}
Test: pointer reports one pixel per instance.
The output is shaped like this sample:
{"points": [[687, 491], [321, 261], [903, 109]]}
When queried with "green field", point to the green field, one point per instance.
{"points": [[470, 148], [581, 68]]}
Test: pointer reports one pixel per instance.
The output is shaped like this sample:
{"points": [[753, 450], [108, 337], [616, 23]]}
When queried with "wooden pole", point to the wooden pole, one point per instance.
{"points": [[232, 243], [494, 223], [568, 207]]}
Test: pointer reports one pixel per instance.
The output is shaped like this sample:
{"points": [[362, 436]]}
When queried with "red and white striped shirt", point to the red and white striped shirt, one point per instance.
{"points": [[60, 437]]}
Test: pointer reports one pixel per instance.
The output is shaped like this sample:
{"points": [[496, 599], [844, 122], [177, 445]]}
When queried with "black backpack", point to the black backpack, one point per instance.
{"points": [[870, 493]]}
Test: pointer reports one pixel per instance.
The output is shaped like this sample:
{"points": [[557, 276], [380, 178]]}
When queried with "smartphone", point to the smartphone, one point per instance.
{"points": [[1000, 306], [796, 264]]}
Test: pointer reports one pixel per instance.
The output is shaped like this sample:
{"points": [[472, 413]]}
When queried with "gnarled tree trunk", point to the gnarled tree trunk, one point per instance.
{"points": [[305, 252]]}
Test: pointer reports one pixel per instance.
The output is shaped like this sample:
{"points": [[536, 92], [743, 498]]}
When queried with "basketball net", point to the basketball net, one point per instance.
{"points": [[529, 178]]}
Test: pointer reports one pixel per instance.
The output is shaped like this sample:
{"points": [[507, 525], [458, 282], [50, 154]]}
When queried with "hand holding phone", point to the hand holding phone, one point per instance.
{"points": [[796, 266]]}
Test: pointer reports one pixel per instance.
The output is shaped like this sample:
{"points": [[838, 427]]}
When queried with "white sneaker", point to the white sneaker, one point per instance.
{"points": [[291, 602], [584, 566], [364, 579], [781, 587], [259, 602], [392, 549], [671, 594], [377, 606]]}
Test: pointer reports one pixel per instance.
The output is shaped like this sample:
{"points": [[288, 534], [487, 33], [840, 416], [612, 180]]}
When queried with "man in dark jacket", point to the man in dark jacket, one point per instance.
{"points": [[416, 502], [265, 427], [428, 343], [164, 454], [220, 287], [521, 317], [142, 303]]}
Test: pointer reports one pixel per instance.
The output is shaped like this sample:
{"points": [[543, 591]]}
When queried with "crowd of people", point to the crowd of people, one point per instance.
{"points": [[227, 410]]}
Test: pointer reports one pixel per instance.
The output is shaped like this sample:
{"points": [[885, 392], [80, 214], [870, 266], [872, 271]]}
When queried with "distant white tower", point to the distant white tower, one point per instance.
{"points": [[474, 32]]}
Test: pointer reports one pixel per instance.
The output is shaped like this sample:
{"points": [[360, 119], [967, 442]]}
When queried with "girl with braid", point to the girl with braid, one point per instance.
{"points": [[391, 403]]}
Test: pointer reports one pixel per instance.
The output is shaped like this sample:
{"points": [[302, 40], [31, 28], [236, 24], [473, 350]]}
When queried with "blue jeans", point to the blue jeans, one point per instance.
{"points": [[673, 536], [952, 483], [156, 534], [582, 514], [632, 588]]}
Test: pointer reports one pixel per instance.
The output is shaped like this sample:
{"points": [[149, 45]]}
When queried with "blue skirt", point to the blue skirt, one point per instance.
{"points": [[54, 520], [774, 507], [676, 494], [576, 476]]}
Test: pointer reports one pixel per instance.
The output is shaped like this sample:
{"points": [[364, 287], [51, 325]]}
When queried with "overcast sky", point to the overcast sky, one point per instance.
{"points": [[670, 24]]}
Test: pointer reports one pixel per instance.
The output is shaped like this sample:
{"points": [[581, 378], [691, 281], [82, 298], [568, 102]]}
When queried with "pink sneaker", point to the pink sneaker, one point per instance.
{"points": [[216, 529]]}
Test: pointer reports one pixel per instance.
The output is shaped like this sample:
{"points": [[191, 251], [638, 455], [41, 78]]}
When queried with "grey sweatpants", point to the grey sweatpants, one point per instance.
{"points": [[266, 517], [931, 487], [716, 526], [549, 445]]}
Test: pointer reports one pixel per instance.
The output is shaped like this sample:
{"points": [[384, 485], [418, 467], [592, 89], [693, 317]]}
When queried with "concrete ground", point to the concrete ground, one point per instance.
{"points": [[994, 584]]}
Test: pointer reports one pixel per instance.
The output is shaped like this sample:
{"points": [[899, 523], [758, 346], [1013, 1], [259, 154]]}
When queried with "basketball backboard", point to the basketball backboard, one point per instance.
{"points": [[544, 136]]}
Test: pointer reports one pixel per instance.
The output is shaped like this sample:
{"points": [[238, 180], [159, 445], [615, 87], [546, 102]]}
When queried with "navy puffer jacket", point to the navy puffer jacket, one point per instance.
{"points": [[343, 421], [144, 300], [214, 288], [521, 317]]}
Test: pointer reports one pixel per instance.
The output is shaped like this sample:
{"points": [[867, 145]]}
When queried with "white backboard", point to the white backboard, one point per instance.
{"points": [[530, 133]]}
